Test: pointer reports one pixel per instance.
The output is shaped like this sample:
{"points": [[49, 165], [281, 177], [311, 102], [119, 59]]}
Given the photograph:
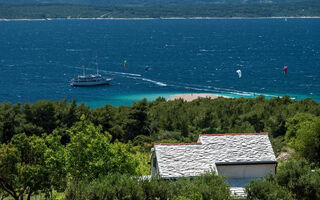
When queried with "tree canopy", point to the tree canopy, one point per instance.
{"points": [[50, 146]]}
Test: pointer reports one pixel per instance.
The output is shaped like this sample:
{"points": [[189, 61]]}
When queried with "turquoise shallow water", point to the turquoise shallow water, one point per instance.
{"points": [[39, 58], [129, 99]]}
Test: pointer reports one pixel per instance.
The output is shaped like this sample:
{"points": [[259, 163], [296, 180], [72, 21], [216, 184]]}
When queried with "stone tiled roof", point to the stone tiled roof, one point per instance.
{"points": [[176, 160]]}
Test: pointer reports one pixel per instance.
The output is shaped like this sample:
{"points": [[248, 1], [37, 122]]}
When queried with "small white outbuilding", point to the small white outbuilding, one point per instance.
{"points": [[240, 157]]}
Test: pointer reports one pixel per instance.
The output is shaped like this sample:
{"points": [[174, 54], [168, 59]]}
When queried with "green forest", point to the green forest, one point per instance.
{"points": [[65, 150], [46, 10]]}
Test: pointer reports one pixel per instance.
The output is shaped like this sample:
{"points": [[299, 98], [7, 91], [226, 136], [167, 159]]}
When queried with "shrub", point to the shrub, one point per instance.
{"points": [[266, 190], [294, 177], [300, 180], [120, 187], [110, 187], [211, 186], [158, 188], [307, 142]]}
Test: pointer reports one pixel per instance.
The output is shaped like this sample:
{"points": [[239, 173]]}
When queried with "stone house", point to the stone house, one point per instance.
{"points": [[239, 157]]}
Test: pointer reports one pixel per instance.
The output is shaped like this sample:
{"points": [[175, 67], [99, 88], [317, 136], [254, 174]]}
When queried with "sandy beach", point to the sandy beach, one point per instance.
{"points": [[193, 96]]}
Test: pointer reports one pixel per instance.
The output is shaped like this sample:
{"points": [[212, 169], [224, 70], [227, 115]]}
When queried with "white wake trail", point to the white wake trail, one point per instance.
{"points": [[148, 80], [120, 73]]}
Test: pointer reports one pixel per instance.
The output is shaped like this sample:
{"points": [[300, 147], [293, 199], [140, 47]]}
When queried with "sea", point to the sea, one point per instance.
{"points": [[38, 58]]}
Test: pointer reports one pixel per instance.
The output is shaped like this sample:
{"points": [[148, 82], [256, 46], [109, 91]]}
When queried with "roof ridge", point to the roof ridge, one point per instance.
{"points": [[190, 143], [212, 134], [221, 134]]}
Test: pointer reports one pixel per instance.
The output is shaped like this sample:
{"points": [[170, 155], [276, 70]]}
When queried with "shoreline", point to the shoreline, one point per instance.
{"points": [[193, 96], [165, 18]]}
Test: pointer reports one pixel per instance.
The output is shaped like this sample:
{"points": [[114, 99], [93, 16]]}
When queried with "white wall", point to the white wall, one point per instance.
{"points": [[246, 171]]}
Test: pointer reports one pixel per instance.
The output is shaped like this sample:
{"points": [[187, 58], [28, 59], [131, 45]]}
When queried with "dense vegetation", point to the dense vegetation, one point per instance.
{"points": [[118, 186], [43, 11], [49, 147], [294, 180]]}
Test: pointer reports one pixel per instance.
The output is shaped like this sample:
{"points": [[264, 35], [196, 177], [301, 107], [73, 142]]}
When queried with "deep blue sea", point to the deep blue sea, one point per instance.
{"points": [[39, 58]]}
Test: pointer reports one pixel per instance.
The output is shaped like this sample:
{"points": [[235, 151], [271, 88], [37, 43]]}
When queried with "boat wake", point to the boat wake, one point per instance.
{"points": [[130, 75], [155, 82], [120, 73], [148, 80], [187, 86], [134, 76], [224, 91], [77, 50]]}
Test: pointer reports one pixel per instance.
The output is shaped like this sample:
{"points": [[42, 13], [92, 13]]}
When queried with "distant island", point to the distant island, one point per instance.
{"points": [[309, 8]]}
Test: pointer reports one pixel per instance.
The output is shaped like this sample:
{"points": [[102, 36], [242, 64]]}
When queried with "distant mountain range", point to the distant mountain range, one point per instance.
{"points": [[144, 2]]}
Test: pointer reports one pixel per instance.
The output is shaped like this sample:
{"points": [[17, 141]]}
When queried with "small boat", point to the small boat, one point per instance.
{"points": [[90, 80]]}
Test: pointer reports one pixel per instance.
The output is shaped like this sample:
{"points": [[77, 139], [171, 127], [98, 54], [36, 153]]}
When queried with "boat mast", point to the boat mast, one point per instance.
{"points": [[97, 65], [97, 68], [83, 70]]}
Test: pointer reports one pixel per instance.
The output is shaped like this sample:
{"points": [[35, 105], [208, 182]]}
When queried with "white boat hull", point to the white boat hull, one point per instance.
{"points": [[90, 83]]}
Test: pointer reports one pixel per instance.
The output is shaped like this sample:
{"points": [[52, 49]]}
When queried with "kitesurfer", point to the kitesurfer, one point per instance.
{"points": [[239, 73], [147, 68], [285, 68]]}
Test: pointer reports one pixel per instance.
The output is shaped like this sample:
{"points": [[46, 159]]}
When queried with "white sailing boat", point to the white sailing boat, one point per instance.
{"points": [[90, 80]]}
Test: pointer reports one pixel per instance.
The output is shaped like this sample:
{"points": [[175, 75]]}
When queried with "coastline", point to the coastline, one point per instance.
{"points": [[193, 96], [130, 99], [165, 18]]}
